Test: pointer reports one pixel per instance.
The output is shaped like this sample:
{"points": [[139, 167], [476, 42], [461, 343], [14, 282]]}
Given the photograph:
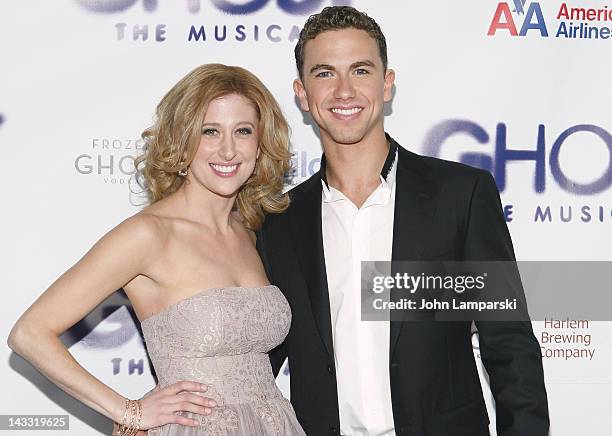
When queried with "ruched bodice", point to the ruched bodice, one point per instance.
{"points": [[220, 337]]}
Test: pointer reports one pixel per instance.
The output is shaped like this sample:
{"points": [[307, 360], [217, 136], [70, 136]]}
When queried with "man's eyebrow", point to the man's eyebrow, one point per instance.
{"points": [[321, 67], [365, 63]]}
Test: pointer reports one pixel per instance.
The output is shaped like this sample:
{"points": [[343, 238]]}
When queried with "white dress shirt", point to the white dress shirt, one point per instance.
{"points": [[361, 348]]}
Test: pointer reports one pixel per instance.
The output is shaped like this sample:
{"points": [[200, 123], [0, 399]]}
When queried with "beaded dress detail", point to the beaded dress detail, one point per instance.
{"points": [[220, 337]]}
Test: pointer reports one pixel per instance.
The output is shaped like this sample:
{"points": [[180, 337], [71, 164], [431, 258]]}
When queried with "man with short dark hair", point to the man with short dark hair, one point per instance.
{"points": [[374, 200]]}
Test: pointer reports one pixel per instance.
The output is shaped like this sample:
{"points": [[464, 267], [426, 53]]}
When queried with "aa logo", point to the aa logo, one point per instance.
{"points": [[507, 18]]}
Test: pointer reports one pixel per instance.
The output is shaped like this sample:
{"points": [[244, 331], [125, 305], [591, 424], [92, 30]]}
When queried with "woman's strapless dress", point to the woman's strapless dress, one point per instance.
{"points": [[220, 337]]}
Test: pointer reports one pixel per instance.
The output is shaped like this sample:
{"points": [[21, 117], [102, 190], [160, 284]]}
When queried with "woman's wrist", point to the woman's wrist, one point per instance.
{"points": [[132, 418], [118, 409]]}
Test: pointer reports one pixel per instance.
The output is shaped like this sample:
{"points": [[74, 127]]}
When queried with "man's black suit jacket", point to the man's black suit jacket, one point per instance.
{"points": [[443, 210]]}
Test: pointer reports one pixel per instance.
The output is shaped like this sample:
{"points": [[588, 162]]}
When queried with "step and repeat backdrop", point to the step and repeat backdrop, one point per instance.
{"points": [[520, 88]]}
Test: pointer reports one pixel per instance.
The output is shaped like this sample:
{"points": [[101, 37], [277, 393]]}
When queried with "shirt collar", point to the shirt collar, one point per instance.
{"points": [[384, 173], [387, 180]]}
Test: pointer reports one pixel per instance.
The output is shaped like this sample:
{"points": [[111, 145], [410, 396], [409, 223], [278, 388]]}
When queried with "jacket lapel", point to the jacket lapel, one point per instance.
{"points": [[414, 210], [305, 222]]}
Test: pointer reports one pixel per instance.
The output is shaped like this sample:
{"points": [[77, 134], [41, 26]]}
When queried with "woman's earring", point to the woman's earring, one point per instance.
{"points": [[183, 171]]}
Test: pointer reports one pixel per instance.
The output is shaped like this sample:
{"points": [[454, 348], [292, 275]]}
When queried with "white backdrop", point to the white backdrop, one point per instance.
{"points": [[79, 82]]}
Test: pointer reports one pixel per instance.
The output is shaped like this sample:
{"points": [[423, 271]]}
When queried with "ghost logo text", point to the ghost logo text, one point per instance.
{"points": [[497, 161], [292, 7]]}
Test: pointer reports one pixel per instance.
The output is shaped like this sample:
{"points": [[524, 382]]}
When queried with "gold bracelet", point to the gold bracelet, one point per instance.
{"points": [[122, 427], [136, 416], [133, 411], [139, 421], [133, 417]]}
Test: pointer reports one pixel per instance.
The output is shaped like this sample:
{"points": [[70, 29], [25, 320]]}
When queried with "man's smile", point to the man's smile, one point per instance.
{"points": [[346, 113]]}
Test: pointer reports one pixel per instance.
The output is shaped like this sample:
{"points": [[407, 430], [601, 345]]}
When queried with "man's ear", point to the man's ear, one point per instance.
{"points": [[388, 88], [300, 93]]}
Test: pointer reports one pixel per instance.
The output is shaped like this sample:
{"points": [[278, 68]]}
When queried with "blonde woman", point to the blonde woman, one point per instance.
{"points": [[213, 165]]}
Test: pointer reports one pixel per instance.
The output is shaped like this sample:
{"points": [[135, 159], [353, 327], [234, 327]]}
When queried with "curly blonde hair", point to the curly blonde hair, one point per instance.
{"points": [[172, 141]]}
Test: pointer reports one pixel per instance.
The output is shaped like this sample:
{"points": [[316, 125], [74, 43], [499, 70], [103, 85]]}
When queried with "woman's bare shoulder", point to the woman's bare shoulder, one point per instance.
{"points": [[145, 228]]}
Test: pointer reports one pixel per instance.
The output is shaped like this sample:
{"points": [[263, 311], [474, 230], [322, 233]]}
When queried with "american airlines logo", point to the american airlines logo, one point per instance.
{"points": [[570, 21]]}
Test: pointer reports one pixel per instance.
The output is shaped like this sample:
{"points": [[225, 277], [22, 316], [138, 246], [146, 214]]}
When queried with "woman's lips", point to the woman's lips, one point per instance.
{"points": [[223, 170]]}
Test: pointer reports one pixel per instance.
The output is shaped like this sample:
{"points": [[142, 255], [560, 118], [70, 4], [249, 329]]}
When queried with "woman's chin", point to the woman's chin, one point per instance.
{"points": [[225, 193]]}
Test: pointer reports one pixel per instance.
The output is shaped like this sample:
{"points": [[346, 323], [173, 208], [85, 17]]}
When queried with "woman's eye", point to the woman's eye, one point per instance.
{"points": [[209, 132], [244, 131]]}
